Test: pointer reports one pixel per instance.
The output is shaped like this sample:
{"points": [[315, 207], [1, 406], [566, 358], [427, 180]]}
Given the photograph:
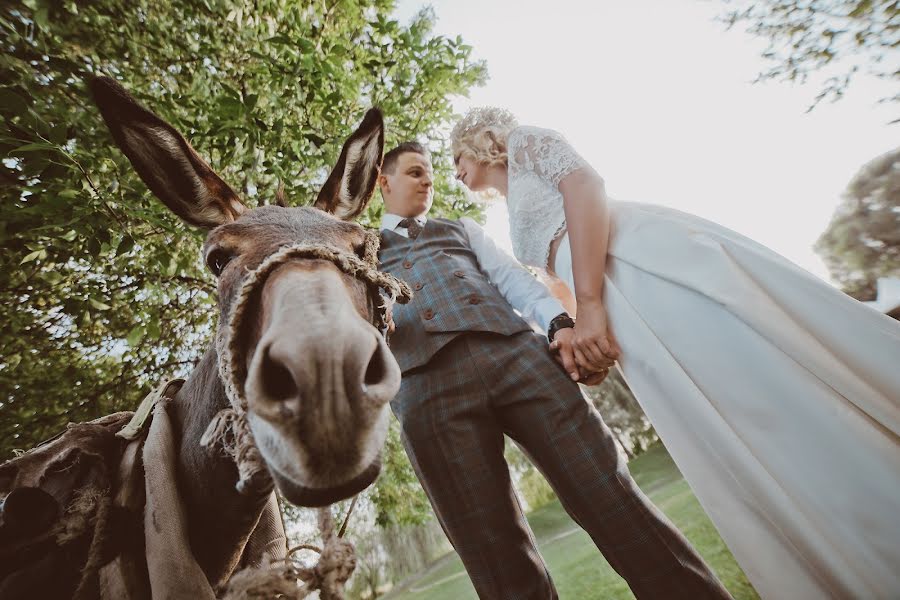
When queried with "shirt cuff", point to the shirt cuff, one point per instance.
{"points": [[545, 310]]}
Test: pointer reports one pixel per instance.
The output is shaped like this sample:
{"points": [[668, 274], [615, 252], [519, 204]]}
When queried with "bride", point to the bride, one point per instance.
{"points": [[777, 396]]}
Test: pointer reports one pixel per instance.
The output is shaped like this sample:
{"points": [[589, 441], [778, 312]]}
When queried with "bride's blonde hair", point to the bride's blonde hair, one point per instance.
{"points": [[482, 134]]}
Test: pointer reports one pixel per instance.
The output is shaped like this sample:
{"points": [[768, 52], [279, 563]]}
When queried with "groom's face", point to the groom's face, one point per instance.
{"points": [[408, 190]]}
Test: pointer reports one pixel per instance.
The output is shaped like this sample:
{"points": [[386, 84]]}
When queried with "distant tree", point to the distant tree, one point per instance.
{"points": [[862, 241], [622, 413], [530, 483], [837, 38], [397, 495]]}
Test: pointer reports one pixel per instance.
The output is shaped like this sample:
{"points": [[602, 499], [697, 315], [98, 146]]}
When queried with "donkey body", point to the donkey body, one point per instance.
{"points": [[316, 374]]}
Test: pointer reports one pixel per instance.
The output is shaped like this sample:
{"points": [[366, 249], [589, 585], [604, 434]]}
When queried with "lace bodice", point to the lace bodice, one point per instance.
{"points": [[538, 160]]}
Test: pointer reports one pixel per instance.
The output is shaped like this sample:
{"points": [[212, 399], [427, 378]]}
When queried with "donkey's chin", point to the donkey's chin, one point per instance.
{"points": [[301, 495], [310, 473]]}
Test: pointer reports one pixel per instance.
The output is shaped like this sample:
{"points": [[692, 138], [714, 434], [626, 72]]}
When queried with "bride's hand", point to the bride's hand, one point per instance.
{"points": [[594, 345]]}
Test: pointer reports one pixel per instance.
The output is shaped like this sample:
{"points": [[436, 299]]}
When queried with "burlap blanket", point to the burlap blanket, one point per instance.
{"points": [[92, 514]]}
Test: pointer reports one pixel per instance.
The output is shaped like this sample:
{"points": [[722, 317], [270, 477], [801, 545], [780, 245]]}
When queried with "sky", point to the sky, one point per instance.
{"points": [[658, 97]]}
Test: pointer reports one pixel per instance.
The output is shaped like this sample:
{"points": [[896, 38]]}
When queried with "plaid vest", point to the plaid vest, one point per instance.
{"points": [[451, 294]]}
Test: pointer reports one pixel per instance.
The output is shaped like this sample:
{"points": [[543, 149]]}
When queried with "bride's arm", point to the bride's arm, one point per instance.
{"points": [[547, 154], [587, 223]]}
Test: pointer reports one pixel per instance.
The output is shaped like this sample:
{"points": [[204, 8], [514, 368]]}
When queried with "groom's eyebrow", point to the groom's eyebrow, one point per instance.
{"points": [[418, 167]]}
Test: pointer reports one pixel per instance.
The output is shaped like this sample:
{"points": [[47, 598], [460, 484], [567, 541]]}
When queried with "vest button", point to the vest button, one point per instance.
{"points": [[474, 300], [459, 274], [428, 314], [419, 286], [407, 264]]}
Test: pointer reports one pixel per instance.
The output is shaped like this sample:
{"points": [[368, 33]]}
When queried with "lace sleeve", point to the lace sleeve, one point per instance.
{"points": [[544, 152]]}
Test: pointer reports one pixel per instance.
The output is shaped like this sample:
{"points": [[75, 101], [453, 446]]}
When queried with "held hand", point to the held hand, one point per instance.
{"points": [[561, 346], [594, 346]]}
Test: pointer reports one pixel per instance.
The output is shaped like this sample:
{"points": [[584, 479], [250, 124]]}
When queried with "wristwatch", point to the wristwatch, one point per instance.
{"points": [[560, 321]]}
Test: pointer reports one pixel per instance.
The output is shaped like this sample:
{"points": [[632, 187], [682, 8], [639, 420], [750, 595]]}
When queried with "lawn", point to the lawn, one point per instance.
{"points": [[577, 567]]}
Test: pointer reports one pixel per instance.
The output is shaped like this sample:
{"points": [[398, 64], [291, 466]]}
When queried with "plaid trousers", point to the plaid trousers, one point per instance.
{"points": [[454, 412]]}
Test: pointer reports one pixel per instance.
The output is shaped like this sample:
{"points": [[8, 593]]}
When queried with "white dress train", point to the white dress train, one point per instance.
{"points": [[777, 396]]}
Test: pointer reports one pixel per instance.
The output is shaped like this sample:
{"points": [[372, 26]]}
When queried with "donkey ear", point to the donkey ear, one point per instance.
{"points": [[349, 188], [164, 159]]}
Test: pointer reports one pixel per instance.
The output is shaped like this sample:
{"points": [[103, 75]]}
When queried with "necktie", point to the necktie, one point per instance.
{"points": [[413, 229]]}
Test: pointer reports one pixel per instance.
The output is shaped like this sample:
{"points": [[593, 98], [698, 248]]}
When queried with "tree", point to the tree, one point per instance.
{"points": [[102, 292], [397, 495], [862, 241], [840, 38], [622, 414]]}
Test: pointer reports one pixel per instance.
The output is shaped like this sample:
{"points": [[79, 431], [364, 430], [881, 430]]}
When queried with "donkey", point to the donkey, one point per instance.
{"points": [[307, 359]]}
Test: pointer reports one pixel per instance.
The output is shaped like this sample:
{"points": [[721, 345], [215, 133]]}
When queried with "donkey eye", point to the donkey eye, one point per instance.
{"points": [[217, 260]]}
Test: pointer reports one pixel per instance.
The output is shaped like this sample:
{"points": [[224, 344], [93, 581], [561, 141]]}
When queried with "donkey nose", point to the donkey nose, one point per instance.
{"points": [[316, 360], [290, 371], [380, 378], [278, 380], [338, 373]]}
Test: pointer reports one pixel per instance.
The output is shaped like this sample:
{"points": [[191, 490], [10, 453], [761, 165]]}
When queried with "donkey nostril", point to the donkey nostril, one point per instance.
{"points": [[277, 381], [376, 370]]}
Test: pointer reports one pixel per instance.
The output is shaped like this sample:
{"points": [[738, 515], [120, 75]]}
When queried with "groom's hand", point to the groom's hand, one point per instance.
{"points": [[561, 348]]}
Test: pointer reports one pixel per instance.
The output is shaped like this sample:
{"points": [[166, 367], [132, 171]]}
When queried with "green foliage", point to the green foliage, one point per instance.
{"points": [[535, 489], [622, 414], [862, 241], [397, 495], [102, 292], [530, 483], [837, 37]]}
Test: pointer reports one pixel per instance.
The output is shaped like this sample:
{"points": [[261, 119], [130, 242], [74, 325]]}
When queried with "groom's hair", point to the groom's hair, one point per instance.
{"points": [[390, 159]]}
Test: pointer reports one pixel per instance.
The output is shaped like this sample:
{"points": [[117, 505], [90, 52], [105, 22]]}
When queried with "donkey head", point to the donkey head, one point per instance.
{"points": [[315, 373]]}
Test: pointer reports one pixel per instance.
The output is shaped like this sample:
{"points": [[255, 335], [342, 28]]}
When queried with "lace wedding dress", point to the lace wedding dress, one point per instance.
{"points": [[777, 396]]}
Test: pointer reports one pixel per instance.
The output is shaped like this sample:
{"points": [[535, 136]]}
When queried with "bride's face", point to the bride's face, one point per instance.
{"points": [[472, 173]]}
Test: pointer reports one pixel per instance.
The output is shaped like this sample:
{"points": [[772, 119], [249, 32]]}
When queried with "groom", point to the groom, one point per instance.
{"points": [[473, 370]]}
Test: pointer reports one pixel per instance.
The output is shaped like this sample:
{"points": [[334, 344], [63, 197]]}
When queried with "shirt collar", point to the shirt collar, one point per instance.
{"points": [[390, 221]]}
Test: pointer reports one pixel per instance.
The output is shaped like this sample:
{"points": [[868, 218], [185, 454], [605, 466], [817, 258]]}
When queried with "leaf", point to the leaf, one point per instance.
{"points": [[281, 40], [153, 328], [51, 277], [99, 305], [34, 256], [40, 17], [317, 140], [33, 147], [125, 245], [13, 361], [13, 102], [135, 336], [59, 133], [94, 246]]}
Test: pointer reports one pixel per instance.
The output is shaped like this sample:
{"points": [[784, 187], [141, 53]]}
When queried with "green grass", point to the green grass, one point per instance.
{"points": [[577, 567]]}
